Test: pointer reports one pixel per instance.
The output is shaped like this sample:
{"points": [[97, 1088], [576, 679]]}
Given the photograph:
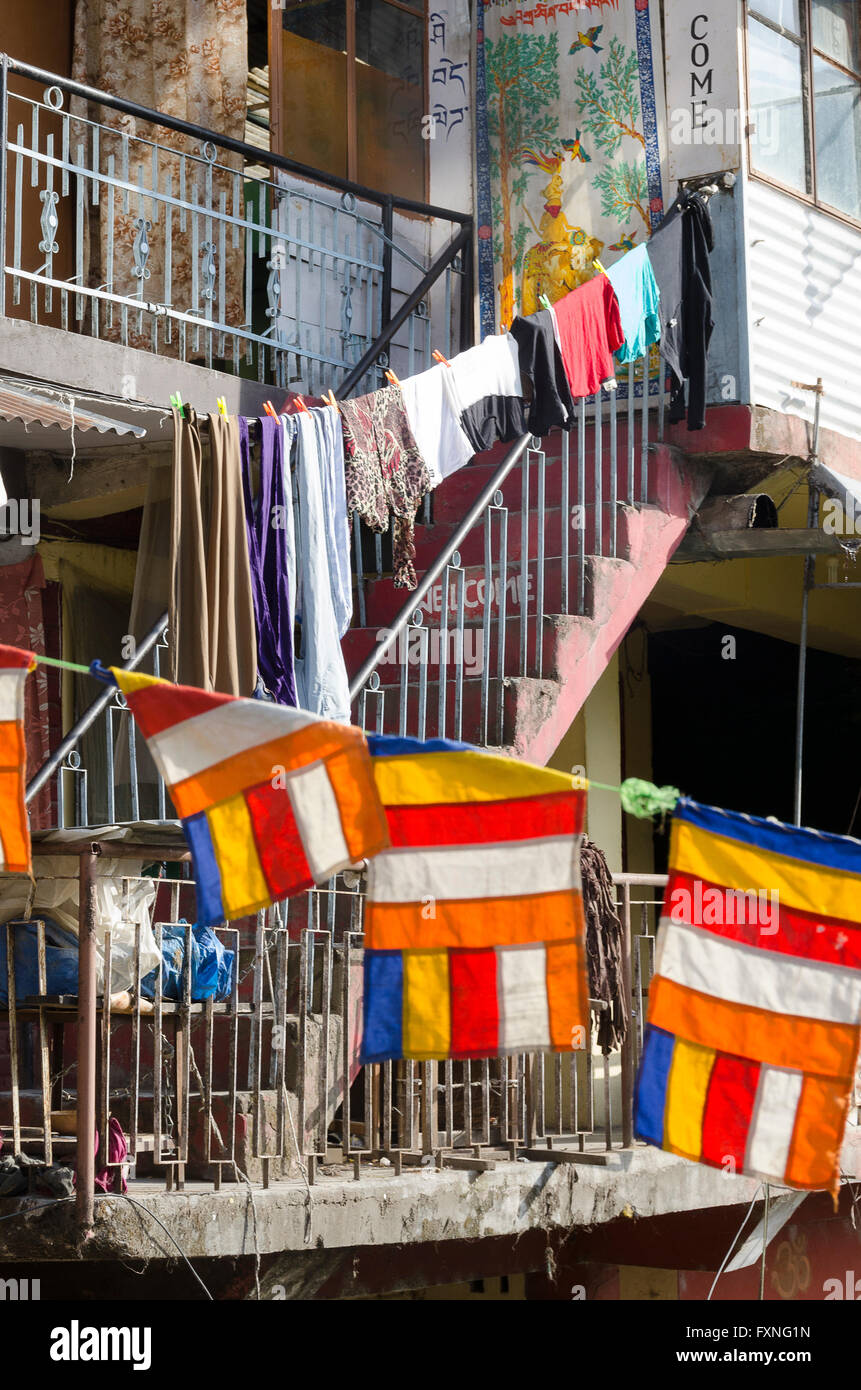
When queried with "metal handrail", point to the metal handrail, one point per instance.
{"points": [[90, 715], [252, 153], [402, 620]]}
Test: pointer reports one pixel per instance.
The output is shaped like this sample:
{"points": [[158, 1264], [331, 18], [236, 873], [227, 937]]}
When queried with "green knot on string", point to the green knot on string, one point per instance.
{"points": [[644, 799]]}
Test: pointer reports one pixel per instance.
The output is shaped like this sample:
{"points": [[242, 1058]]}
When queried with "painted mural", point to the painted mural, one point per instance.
{"points": [[569, 110]]}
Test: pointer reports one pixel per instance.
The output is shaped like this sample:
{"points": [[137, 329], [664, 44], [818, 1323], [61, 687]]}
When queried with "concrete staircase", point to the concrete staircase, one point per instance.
{"points": [[532, 702]]}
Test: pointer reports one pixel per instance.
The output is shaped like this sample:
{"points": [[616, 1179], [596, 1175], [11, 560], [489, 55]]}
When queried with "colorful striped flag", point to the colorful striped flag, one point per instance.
{"points": [[755, 1006], [474, 938], [271, 799], [15, 666]]}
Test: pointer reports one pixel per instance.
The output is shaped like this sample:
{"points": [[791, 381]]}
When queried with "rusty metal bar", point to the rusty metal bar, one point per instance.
{"points": [[86, 1165]]}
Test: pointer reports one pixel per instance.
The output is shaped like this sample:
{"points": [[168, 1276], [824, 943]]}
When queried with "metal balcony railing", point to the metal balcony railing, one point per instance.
{"points": [[121, 222], [266, 1084]]}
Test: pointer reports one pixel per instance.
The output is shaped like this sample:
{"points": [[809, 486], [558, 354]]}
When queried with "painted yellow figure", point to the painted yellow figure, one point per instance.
{"points": [[563, 257]]}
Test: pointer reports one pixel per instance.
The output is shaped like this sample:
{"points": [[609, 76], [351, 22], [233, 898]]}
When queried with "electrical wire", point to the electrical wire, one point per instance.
{"points": [[135, 1203], [726, 1257]]}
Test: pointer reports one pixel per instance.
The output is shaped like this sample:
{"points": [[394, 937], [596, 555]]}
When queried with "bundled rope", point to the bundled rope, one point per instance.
{"points": [[603, 946]]}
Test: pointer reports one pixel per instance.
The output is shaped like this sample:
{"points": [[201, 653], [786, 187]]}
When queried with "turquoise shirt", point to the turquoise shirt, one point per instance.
{"points": [[637, 291]]}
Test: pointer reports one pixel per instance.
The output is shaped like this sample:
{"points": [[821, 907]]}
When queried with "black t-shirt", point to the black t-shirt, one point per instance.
{"points": [[542, 373]]}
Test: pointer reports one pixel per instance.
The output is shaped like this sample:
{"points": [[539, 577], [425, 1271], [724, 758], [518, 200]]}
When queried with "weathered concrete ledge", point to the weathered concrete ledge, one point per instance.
{"points": [[419, 1206]]}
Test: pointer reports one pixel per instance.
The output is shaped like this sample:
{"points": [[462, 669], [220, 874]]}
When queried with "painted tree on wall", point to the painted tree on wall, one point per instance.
{"points": [[522, 85], [609, 106]]}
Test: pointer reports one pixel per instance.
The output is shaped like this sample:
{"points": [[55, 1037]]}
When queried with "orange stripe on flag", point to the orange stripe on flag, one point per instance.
{"points": [[363, 817], [475, 922], [567, 999], [14, 826], [235, 775], [818, 1135], [779, 1040]]}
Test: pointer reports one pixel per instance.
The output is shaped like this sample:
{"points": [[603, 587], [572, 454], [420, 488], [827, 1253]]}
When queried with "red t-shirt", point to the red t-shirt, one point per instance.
{"points": [[590, 331]]}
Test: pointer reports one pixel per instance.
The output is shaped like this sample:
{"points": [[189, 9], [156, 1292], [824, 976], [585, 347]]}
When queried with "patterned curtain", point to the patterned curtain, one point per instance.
{"points": [[189, 59]]}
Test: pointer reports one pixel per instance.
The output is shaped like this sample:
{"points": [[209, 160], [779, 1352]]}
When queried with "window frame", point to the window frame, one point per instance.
{"points": [[809, 53], [277, 77]]}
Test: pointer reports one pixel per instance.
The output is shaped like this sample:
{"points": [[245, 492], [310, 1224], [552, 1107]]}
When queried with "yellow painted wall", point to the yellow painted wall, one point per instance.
{"points": [[594, 742]]}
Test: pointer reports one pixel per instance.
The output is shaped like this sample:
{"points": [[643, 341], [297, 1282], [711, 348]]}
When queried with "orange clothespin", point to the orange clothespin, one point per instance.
{"points": [[330, 399], [302, 406], [392, 379], [438, 357], [270, 409]]}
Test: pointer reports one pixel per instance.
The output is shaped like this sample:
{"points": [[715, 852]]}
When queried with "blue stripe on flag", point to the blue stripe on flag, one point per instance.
{"points": [[390, 746], [382, 1035], [651, 1093], [794, 842], [210, 909]]}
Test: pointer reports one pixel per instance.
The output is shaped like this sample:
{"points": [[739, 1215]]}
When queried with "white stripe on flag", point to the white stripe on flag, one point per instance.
{"points": [[315, 807], [759, 979], [516, 869], [12, 682], [195, 744], [773, 1121], [524, 1016]]}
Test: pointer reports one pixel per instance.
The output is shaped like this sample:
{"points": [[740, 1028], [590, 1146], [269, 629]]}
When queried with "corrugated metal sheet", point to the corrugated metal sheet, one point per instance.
{"points": [[32, 409], [805, 307]]}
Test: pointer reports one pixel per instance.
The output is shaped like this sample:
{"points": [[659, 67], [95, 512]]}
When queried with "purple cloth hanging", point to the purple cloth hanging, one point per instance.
{"points": [[269, 558]]}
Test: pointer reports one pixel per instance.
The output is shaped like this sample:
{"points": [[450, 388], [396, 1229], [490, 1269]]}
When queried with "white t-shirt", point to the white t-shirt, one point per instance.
{"points": [[442, 443]]}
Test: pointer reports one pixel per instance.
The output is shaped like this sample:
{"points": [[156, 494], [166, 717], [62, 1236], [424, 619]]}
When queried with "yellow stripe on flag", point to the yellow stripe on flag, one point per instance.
{"points": [[717, 859], [687, 1089], [427, 1011], [429, 779], [243, 887]]}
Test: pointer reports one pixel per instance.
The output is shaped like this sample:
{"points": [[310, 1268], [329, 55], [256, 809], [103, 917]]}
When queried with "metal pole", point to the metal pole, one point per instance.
{"points": [[764, 1246], [809, 574], [4, 121], [86, 1159]]}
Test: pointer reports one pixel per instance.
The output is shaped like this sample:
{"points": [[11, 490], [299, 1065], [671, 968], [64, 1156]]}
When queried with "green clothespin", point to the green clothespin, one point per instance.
{"points": [[544, 301], [176, 402]]}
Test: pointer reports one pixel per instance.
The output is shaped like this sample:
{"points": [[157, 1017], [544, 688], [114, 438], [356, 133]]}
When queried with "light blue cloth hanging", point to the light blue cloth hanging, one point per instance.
{"points": [[330, 447], [321, 675], [637, 291]]}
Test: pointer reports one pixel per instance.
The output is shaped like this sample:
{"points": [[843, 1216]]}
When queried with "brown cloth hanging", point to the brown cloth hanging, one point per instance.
{"points": [[213, 638], [603, 946], [385, 472]]}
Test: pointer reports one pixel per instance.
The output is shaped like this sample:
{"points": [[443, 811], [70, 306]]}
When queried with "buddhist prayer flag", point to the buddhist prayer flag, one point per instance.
{"points": [[271, 799], [474, 939], [15, 666], [755, 1005]]}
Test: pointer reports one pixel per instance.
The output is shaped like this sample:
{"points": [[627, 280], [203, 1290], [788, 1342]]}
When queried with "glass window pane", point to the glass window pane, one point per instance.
{"points": [[837, 101], [835, 31], [782, 12], [390, 98], [777, 110], [314, 111]]}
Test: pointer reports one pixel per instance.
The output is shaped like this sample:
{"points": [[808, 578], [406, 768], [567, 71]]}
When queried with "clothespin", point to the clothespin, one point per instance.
{"points": [[598, 266], [438, 357], [302, 406], [392, 379], [270, 409], [222, 405], [544, 301], [330, 399], [176, 402]]}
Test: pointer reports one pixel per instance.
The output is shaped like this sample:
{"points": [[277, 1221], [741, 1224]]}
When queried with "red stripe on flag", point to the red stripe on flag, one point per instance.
{"points": [[486, 822], [279, 843], [474, 1003], [728, 1111], [159, 707], [799, 934], [14, 659]]}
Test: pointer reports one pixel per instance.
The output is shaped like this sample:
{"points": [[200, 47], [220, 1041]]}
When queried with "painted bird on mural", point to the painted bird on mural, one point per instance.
{"points": [[625, 243], [587, 40], [575, 149]]}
